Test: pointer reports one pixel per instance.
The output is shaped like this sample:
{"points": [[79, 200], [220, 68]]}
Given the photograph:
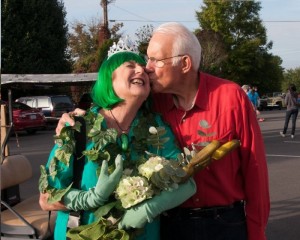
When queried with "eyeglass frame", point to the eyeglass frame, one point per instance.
{"points": [[154, 60]]}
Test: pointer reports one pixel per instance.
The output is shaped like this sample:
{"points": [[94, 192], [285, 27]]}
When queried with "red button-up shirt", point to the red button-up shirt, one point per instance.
{"points": [[242, 174]]}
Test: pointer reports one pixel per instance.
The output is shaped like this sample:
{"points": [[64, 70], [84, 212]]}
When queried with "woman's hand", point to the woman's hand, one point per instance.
{"points": [[76, 199]]}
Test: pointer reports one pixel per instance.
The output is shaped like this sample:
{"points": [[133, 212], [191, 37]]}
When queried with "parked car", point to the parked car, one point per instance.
{"points": [[85, 101], [52, 106], [263, 103], [27, 119], [276, 100]]}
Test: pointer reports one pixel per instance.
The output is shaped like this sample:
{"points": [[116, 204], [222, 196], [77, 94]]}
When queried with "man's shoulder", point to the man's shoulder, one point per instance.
{"points": [[218, 83]]}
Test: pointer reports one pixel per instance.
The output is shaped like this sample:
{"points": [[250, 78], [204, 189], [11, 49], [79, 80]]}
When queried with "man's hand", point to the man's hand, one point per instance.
{"points": [[66, 118]]}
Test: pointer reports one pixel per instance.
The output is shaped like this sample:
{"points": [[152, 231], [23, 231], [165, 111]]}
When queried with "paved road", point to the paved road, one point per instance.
{"points": [[283, 156]]}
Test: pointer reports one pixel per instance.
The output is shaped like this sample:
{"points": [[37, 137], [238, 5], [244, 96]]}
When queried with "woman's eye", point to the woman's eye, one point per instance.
{"points": [[130, 65]]}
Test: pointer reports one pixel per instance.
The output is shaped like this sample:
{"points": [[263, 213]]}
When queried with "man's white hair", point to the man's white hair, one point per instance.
{"points": [[185, 41]]}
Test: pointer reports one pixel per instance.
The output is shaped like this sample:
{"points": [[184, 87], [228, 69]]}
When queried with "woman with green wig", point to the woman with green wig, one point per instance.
{"points": [[117, 128]]}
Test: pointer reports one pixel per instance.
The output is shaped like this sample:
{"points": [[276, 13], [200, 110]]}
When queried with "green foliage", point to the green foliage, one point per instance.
{"points": [[102, 51], [237, 48], [34, 37], [169, 176], [144, 34], [214, 51], [102, 229], [237, 21], [291, 76], [85, 47], [83, 43], [156, 138]]}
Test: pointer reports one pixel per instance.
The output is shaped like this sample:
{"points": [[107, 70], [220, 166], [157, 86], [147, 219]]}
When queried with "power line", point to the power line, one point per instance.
{"points": [[159, 21], [131, 13], [156, 21], [283, 21]]}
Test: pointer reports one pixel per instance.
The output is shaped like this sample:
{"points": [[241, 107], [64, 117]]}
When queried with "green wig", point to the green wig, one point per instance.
{"points": [[103, 94]]}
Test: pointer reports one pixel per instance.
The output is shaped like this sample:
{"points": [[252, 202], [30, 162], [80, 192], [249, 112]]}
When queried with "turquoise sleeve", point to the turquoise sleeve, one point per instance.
{"points": [[64, 174]]}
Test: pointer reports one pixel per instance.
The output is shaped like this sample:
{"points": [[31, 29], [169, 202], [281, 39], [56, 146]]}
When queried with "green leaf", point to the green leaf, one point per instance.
{"points": [[55, 195], [43, 181], [164, 140], [161, 131], [63, 156], [92, 231], [152, 141], [105, 209], [52, 167], [204, 124], [91, 154], [201, 133], [210, 134], [109, 136], [117, 234]]}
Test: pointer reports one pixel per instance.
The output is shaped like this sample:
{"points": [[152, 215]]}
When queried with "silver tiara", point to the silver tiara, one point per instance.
{"points": [[123, 45]]}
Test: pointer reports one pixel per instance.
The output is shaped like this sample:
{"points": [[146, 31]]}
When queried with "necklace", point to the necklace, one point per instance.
{"points": [[123, 137]]}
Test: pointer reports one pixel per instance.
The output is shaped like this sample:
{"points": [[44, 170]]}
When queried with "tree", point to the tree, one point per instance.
{"points": [[244, 38], [34, 37], [144, 34], [213, 51], [291, 76], [84, 45]]}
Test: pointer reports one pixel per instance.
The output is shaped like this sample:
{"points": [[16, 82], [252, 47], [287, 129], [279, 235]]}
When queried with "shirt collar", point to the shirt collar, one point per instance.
{"points": [[201, 96]]}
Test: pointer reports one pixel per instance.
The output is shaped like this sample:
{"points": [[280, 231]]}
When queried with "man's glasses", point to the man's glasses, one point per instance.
{"points": [[159, 62]]}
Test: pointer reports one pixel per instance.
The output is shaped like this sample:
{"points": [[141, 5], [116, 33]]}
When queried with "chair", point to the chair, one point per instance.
{"points": [[25, 219]]}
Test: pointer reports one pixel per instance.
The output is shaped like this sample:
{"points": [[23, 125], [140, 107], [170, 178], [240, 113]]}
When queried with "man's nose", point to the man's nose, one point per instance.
{"points": [[149, 67]]}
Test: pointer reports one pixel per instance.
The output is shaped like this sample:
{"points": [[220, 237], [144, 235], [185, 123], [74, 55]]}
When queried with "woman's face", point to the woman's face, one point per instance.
{"points": [[130, 81]]}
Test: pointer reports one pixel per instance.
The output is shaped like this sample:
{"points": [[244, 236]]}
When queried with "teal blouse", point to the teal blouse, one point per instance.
{"points": [[89, 179]]}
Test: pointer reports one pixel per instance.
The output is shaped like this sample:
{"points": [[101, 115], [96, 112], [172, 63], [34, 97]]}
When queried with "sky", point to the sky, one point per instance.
{"points": [[280, 17]]}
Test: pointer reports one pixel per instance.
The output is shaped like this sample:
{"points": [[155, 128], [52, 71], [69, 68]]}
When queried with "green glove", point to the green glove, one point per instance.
{"points": [[138, 216], [84, 200]]}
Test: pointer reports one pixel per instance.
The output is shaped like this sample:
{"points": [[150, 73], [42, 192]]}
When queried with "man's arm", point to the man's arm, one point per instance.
{"points": [[66, 118], [43, 201], [254, 170]]}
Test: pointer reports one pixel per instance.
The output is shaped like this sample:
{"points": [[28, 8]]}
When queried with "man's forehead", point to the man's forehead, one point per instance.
{"points": [[159, 45]]}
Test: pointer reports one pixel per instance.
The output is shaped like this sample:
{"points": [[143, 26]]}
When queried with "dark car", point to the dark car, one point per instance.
{"points": [[52, 106], [263, 103], [27, 119]]}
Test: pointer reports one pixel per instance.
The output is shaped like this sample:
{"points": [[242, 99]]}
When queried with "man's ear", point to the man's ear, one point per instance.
{"points": [[186, 63]]}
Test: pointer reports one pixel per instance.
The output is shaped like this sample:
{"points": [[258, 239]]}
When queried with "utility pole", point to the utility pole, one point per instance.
{"points": [[104, 32]]}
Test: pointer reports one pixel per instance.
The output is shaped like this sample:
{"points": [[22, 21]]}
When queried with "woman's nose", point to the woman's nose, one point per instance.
{"points": [[139, 68]]}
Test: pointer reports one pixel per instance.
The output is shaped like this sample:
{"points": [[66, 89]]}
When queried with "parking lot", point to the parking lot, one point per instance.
{"points": [[283, 156]]}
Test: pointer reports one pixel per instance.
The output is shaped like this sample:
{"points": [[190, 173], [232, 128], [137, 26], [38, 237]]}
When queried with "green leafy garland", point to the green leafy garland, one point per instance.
{"points": [[105, 146]]}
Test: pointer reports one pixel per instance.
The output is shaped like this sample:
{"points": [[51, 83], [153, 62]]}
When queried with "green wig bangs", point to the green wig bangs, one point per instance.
{"points": [[103, 94]]}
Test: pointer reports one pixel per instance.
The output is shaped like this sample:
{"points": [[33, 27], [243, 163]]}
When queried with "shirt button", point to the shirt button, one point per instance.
{"points": [[197, 200]]}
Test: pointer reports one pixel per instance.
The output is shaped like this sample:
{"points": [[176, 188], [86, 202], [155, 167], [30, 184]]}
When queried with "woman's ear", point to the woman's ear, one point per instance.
{"points": [[186, 63]]}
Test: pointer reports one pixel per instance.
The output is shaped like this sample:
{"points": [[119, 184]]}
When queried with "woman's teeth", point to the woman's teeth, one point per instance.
{"points": [[137, 81]]}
